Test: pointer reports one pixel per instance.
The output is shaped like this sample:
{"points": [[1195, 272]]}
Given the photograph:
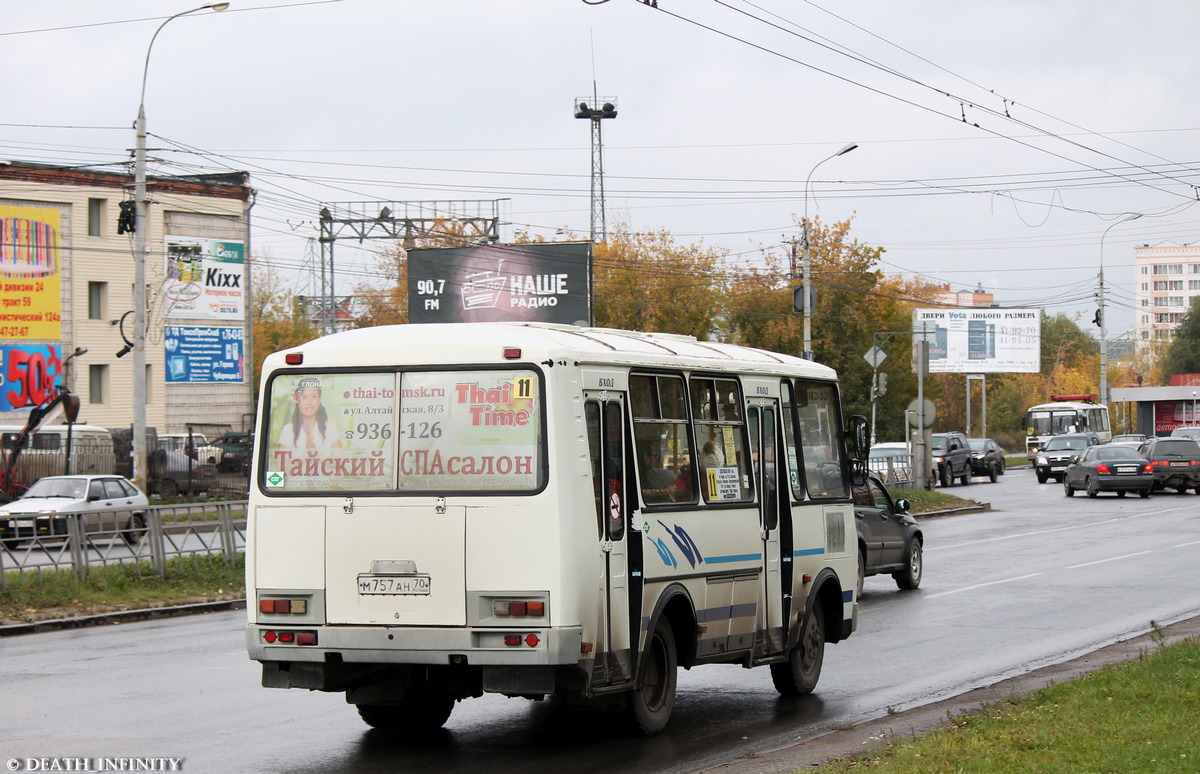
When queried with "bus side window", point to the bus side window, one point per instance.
{"points": [[793, 471], [663, 439], [723, 463], [821, 440]]}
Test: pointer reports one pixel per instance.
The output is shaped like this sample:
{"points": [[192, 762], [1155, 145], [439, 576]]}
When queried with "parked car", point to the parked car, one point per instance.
{"points": [[1052, 460], [236, 452], [1176, 462], [1108, 468], [892, 462], [951, 458], [987, 458], [109, 504], [1133, 440], [1191, 431], [195, 446], [889, 540], [174, 473]]}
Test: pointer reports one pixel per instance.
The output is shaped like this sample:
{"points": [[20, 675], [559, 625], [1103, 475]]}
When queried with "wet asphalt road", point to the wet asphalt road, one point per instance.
{"points": [[1038, 580]]}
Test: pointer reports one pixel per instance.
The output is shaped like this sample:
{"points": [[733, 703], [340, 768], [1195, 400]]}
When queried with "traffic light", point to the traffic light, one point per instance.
{"points": [[1098, 319], [879, 387], [127, 218]]}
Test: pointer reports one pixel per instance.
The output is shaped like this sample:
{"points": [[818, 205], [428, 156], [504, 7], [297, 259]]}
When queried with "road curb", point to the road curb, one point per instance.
{"points": [[119, 617], [980, 508]]}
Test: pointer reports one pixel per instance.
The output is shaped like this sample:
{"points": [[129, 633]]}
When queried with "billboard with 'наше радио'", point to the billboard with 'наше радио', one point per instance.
{"points": [[980, 340], [536, 282]]}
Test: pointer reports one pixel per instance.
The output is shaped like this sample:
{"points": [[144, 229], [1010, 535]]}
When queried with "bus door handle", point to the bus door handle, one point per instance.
{"points": [[606, 546]]}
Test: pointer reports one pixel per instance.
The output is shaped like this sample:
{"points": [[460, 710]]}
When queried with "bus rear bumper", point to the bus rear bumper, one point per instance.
{"points": [[550, 646]]}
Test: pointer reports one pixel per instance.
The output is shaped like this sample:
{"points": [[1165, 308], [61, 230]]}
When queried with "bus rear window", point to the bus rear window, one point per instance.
{"points": [[451, 431]]}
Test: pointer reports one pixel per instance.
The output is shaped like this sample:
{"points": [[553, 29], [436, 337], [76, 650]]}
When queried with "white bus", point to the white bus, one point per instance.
{"points": [[1065, 414], [440, 511]]}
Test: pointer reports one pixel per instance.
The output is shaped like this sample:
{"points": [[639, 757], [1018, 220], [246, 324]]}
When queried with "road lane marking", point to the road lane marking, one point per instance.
{"points": [[979, 586], [1035, 533], [1102, 561]]}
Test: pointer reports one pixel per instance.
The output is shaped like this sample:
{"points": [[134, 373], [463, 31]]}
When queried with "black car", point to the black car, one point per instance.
{"points": [[237, 449], [889, 540], [1054, 456], [952, 458], [1108, 468], [1175, 461], [987, 458]]}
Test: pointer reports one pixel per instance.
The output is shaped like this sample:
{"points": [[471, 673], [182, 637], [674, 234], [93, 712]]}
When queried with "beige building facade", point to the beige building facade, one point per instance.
{"points": [[66, 285], [1166, 279]]}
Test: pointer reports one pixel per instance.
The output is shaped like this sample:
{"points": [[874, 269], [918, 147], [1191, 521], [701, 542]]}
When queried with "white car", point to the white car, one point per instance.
{"points": [[108, 504]]}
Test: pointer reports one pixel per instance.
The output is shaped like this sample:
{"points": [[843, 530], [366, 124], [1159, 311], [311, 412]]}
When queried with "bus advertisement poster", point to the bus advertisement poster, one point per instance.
{"points": [[332, 431]]}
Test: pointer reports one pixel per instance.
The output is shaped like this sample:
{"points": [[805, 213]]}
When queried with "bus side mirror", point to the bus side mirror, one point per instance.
{"points": [[860, 437]]}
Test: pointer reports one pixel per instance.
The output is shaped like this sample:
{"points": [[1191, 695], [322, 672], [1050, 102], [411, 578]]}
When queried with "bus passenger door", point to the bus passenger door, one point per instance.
{"points": [[605, 415], [762, 418]]}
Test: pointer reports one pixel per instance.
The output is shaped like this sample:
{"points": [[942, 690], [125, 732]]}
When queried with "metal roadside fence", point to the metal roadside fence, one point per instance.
{"points": [[895, 470], [155, 534]]}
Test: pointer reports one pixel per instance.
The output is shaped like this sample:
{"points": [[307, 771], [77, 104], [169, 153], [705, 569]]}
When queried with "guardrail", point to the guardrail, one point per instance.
{"points": [[154, 534]]}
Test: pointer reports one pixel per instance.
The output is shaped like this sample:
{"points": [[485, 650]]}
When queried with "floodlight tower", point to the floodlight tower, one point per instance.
{"points": [[595, 109]]}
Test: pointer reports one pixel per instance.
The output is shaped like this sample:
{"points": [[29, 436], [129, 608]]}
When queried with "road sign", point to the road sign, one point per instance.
{"points": [[875, 356], [913, 413]]}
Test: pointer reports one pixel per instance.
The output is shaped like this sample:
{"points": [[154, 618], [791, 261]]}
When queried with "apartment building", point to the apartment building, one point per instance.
{"points": [[66, 286], [1166, 279]]}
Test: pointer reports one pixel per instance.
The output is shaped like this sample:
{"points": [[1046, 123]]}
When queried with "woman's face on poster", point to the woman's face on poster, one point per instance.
{"points": [[309, 402]]}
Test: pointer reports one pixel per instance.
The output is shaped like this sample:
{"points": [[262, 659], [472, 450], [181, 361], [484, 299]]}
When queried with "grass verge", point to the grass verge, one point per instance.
{"points": [[1138, 716], [58, 594], [928, 500]]}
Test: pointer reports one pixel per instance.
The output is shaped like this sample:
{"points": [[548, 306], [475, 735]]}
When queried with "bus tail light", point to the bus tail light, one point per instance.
{"points": [[518, 607], [289, 638], [512, 353], [514, 640], [272, 606], [294, 358]]}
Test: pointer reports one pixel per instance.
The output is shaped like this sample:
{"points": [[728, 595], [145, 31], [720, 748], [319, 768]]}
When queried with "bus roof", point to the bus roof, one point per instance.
{"points": [[454, 343]]}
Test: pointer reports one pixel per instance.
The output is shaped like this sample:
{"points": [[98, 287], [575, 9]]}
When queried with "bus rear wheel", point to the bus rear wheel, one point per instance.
{"points": [[422, 711], [651, 703], [799, 674]]}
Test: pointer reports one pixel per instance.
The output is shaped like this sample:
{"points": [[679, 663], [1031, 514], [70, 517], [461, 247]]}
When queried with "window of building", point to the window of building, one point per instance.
{"points": [[96, 217], [1168, 268], [1168, 285], [97, 383], [1194, 268], [1145, 286], [1145, 302], [1193, 284], [1144, 270], [1173, 301], [97, 298]]}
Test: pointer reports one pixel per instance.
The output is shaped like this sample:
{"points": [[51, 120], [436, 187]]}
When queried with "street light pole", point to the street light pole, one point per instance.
{"points": [[807, 282], [1102, 318], [139, 262]]}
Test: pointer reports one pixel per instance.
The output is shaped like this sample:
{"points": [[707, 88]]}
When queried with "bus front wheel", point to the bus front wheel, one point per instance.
{"points": [[799, 674], [423, 710], [652, 701]]}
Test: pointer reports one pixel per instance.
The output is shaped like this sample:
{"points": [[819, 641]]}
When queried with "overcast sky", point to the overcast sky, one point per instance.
{"points": [[1076, 113]]}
